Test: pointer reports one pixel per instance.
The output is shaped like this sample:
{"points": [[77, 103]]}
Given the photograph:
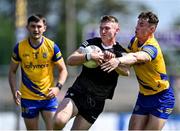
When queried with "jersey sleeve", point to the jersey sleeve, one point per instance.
{"points": [[93, 41], [151, 50], [57, 53], [84, 44], [15, 55]]}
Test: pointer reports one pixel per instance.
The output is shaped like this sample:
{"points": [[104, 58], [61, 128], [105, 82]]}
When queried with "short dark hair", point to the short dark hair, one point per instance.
{"points": [[109, 18], [36, 18], [150, 16]]}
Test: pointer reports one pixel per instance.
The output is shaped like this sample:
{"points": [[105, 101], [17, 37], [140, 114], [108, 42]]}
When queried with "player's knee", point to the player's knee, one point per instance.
{"points": [[58, 123]]}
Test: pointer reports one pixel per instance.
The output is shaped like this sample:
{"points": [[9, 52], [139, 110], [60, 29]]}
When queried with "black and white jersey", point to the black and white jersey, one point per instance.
{"points": [[95, 81]]}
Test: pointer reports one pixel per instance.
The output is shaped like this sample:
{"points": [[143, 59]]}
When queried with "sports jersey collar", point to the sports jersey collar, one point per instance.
{"points": [[107, 47], [35, 47]]}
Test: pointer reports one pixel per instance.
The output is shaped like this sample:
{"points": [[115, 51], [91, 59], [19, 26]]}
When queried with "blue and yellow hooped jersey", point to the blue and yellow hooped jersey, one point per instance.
{"points": [[37, 65], [151, 76]]}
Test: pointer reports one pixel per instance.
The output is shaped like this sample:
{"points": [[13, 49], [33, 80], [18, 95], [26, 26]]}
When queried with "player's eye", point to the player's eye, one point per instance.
{"points": [[104, 28], [39, 26]]}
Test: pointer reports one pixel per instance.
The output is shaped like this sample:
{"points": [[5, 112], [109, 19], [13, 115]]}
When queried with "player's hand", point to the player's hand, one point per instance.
{"points": [[17, 97], [53, 92], [110, 65], [108, 55], [97, 57]]}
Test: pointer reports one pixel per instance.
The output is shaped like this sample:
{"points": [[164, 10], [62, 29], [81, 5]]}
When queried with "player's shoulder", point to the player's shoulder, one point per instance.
{"points": [[151, 42], [48, 40], [94, 41], [119, 47], [50, 43], [25, 40], [22, 43]]}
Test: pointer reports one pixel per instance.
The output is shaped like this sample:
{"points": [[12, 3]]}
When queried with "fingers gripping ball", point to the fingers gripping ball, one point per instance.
{"points": [[88, 50]]}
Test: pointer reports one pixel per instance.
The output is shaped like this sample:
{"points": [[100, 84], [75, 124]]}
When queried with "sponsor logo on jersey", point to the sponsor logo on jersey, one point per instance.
{"points": [[38, 66]]}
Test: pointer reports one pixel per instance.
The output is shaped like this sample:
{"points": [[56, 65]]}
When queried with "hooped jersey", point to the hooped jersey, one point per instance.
{"points": [[94, 80], [37, 65], [151, 76]]}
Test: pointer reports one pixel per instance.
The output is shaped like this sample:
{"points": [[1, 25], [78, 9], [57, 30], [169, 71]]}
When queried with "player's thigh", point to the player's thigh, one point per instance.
{"points": [[137, 122], [31, 123], [66, 110], [155, 123], [80, 123], [48, 117]]}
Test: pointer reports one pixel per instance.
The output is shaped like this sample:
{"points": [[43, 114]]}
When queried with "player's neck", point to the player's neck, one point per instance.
{"points": [[35, 42], [143, 40], [109, 43]]}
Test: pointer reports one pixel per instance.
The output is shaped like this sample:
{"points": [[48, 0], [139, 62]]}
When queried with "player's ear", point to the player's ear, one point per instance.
{"points": [[27, 27], [45, 27], [117, 29], [153, 28]]}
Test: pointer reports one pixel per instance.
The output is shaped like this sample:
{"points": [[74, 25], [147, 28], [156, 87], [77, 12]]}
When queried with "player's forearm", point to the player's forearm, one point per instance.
{"points": [[133, 58], [142, 56], [62, 76], [128, 59], [12, 83], [76, 59], [62, 72]]}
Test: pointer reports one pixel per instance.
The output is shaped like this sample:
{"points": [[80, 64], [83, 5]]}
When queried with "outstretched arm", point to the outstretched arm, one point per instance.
{"points": [[129, 59], [133, 58]]}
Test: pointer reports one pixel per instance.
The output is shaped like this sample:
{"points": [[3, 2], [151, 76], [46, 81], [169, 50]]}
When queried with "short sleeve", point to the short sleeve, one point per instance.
{"points": [[15, 54], [151, 50], [84, 44], [57, 53]]}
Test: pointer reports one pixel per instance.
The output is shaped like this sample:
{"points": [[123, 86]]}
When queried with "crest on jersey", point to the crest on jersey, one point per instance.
{"points": [[44, 55]]}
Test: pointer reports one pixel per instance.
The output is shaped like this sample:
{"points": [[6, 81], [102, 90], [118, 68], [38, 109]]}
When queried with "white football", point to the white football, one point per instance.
{"points": [[89, 49]]}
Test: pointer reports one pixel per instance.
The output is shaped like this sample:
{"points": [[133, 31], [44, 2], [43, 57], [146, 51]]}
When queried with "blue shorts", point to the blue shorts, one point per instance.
{"points": [[31, 108], [159, 105]]}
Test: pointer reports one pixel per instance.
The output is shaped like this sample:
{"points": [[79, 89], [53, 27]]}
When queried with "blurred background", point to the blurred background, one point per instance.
{"points": [[70, 22]]}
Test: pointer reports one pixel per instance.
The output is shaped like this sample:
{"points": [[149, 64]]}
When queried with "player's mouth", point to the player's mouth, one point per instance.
{"points": [[103, 35], [35, 33]]}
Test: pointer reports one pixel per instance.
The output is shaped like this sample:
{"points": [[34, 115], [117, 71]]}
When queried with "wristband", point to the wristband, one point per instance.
{"points": [[59, 85], [88, 56]]}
